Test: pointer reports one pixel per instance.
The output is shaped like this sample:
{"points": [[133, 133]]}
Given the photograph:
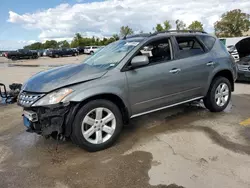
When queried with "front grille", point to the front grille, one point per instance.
{"points": [[26, 99], [244, 68]]}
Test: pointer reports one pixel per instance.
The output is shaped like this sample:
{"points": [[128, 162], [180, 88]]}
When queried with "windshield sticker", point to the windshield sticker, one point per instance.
{"points": [[131, 43], [112, 65]]}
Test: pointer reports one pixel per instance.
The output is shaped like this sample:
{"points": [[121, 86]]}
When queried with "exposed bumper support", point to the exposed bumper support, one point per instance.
{"points": [[51, 119]]}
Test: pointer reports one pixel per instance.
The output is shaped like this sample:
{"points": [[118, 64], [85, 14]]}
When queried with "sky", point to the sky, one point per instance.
{"points": [[27, 21]]}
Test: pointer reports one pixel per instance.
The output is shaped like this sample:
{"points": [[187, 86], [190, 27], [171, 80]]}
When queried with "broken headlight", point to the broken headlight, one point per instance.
{"points": [[53, 97]]}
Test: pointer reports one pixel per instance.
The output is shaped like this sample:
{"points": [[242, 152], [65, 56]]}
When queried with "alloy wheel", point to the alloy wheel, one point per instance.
{"points": [[98, 125], [221, 94]]}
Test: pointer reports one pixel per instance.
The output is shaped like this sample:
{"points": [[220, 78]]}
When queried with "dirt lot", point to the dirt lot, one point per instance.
{"points": [[23, 69], [185, 146]]}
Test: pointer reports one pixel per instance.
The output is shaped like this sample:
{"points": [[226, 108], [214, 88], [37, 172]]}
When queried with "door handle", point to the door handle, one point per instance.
{"points": [[211, 63], [175, 70]]}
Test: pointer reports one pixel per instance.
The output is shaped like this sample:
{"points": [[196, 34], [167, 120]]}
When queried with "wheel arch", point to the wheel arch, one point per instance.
{"points": [[106, 96], [223, 73]]}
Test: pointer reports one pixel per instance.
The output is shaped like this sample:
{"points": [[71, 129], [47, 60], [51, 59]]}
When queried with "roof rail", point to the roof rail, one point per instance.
{"points": [[180, 31], [159, 32], [136, 35]]}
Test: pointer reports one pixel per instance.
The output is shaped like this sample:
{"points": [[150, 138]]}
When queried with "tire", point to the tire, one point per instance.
{"points": [[57, 56], [79, 127], [210, 100], [14, 58], [91, 53]]}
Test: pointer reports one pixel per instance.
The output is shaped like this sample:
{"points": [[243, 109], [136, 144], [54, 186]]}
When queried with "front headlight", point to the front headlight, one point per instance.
{"points": [[54, 97]]}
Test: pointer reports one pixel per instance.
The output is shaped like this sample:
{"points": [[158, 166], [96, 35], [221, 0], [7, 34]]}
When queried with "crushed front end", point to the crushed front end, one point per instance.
{"points": [[46, 120]]}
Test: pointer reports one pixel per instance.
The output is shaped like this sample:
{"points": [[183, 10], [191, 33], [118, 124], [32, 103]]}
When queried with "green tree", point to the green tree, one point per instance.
{"points": [[115, 37], [34, 46], [74, 44], [180, 25], [196, 25], [63, 44], [232, 24], [167, 25], [159, 28], [77, 41], [126, 30], [50, 44]]}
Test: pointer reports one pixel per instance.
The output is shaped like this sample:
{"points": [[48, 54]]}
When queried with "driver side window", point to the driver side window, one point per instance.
{"points": [[157, 51]]}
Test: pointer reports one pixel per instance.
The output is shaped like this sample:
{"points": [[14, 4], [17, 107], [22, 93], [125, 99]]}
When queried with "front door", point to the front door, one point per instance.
{"points": [[158, 84]]}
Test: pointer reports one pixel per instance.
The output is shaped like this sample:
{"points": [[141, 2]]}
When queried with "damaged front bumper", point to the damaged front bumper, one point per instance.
{"points": [[48, 120]]}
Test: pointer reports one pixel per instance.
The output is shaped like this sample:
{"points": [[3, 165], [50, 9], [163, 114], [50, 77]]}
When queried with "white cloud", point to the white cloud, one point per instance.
{"points": [[105, 18]]}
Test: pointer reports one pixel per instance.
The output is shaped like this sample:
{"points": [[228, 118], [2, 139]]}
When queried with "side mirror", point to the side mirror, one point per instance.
{"points": [[139, 61]]}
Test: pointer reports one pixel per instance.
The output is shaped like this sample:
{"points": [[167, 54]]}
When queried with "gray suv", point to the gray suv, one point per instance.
{"points": [[90, 102]]}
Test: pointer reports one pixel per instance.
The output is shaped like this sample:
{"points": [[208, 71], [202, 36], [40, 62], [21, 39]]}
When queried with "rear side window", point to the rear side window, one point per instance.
{"points": [[189, 46], [208, 41]]}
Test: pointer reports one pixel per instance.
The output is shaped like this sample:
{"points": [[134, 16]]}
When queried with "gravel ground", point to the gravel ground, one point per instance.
{"points": [[24, 69]]}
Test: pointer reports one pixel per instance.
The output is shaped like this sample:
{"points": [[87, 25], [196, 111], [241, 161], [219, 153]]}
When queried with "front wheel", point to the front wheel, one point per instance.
{"points": [[219, 95], [97, 125]]}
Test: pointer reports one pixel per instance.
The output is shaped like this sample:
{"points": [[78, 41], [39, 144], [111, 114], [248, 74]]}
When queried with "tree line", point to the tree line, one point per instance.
{"points": [[232, 24]]}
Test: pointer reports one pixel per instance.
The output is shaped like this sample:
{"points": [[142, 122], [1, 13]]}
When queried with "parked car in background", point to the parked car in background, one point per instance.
{"points": [[46, 51], [22, 54], [243, 48], [40, 52], [90, 49], [233, 51], [80, 49], [62, 52], [5, 54], [244, 69], [91, 101]]}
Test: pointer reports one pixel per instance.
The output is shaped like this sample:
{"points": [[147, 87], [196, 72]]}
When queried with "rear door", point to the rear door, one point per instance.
{"points": [[197, 64]]}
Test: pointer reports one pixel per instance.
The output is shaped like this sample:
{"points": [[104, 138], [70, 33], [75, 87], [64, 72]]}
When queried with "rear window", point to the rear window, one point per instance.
{"points": [[208, 41], [189, 46]]}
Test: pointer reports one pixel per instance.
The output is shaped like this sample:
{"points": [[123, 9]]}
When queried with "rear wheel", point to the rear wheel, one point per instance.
{"points": [[97, 125], [14, 58], [91, 53], [219, 95]]}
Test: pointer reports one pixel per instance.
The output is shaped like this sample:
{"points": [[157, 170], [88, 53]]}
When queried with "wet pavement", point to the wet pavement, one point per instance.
{"points": [[186, 146]]}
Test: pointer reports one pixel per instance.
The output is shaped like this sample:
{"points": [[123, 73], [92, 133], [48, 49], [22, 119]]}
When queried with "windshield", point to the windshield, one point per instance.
{"points": [[111, 55]]}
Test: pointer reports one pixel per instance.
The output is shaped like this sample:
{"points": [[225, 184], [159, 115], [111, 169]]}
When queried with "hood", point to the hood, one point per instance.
{"points": [[62, 76], [243, 47]]}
